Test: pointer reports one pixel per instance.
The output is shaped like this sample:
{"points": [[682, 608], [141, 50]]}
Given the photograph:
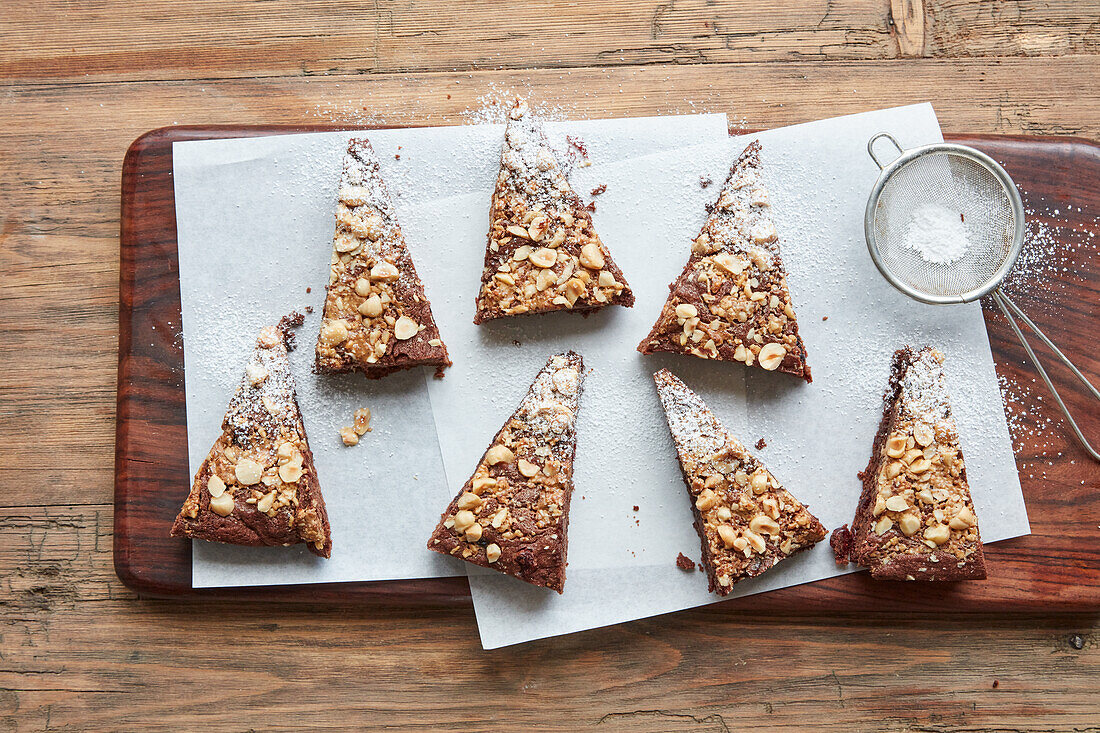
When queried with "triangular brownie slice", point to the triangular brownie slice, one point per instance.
{"points": [[513, 513], [376, 318], [747, 522], [258, 485], [543, 253], [915, 519], [731, 302]]}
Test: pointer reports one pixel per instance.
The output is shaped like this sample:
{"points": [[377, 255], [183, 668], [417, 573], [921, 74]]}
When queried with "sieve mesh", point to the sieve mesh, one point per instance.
{"points": [[960, 184]]}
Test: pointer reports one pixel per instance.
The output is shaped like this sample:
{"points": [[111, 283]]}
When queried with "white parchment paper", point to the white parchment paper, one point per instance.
{"points": [[621, 561], [254, 224]]}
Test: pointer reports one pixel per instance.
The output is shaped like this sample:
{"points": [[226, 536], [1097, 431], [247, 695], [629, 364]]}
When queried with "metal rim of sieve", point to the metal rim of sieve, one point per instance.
{"points": [[905, 157], [992, 284]]}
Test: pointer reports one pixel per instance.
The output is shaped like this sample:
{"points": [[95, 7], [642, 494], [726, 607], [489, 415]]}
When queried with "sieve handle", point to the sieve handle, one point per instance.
{"points": [[1008, 307], [871, 147]]}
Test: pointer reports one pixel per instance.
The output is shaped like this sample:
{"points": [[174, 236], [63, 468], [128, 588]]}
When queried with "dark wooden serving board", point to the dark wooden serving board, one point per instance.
{"points": [[1055, 569]]}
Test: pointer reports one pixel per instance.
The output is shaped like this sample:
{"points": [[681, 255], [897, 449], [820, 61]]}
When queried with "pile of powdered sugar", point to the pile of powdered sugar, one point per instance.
{"points": [[937, 234]]}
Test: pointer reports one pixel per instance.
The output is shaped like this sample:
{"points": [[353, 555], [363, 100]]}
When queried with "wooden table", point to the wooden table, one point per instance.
{"points": [[80, 81]]}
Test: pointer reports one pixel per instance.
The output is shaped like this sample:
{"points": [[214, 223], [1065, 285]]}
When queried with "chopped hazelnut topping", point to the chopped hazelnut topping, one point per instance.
{"points": [[464, 520], [469, 500], [334, 332], [270, 337], [591, 256], [499, 454], [266, 502], [349, 436], [290, 472], [215, 486], [248, 472], [909, 524], [771, 356], [405, 328], [895, 446], [371, 307], [362, 420], [384, 271], [897, 504], [706, 501], [938, 533], [256, 374], [222, 505], [727, 534]]}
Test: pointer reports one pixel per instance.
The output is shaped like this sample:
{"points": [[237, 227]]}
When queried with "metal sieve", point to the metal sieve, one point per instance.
{"points": [[967, 181]]}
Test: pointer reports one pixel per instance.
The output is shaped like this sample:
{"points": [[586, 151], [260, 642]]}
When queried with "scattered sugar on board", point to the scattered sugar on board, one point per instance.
{"points": [[937, 234]]}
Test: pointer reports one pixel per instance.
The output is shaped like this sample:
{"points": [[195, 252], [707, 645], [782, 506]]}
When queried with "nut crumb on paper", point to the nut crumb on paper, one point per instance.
{"points": [[350, 435]]}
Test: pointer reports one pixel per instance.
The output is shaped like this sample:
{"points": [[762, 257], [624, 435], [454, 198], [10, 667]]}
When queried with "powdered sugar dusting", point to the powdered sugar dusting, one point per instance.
{"points": [[265, 398], [549, 411], [1055, 252], [495, 105], [527, 159], [695, 430], [937, 234], [741, 220], [923, 392]]}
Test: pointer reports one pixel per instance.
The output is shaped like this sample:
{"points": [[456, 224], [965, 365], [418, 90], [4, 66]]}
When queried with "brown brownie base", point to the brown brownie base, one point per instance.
{"points": [[247, 526], [538, 557], [937, 565]]}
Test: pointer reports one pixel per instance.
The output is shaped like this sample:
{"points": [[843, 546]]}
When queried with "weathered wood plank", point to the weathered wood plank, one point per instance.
{"points": [[61, 150], [80, 653], [111, 40]]}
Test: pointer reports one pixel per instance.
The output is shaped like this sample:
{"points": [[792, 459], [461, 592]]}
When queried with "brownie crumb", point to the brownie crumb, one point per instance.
{"points": [[761, 444], [996, 684], [591, 207], [602, 188], [824, 318], [684, 562], [578, 144], [309, 309], [309, 290], [397, 156], [705, 181], [448, 96], [287, 322], [635, 507], [516, 343], [841, 542]]}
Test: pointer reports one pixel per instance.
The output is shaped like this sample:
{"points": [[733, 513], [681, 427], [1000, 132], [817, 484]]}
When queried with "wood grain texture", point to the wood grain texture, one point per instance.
{"points": [[79, 652], [116, 40]]}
